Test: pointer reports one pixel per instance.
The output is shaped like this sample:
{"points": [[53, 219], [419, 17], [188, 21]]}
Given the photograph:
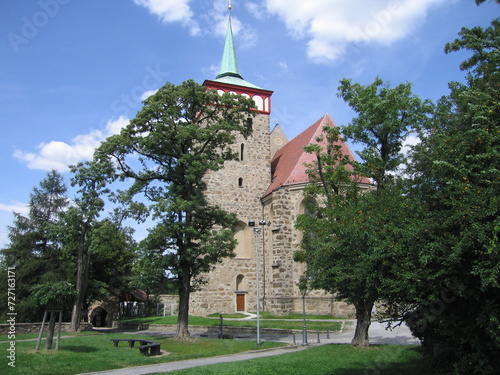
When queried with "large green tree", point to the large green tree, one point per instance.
{"points": [[456, 179], [35, 252], [90, 243], [181, 133], [353, 239]]}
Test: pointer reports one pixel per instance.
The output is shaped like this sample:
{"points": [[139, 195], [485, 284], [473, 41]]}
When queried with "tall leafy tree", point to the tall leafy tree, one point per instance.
{"points": [[354, 240], [181, 133], [34, 250], [81, 234], [456, 179]]}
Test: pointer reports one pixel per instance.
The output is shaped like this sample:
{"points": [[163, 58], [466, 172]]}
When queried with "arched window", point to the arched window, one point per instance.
{"points": [[240, 182], [249, 124], [242, 149], [241, 283], [243, 246]]}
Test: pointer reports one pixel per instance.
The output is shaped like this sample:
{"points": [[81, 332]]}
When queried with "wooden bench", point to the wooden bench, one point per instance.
{"points": [[146, 347]]}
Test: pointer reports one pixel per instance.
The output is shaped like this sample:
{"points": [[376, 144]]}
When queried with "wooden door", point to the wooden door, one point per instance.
{"points": [[240, 302]]}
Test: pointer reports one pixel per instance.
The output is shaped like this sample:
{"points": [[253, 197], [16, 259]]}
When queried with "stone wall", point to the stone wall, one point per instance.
{"points": [[237, 188], [21, 328]]}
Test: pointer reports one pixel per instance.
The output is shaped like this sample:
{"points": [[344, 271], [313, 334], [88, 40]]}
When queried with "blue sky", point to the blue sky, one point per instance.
{"points": [[73, 72]]}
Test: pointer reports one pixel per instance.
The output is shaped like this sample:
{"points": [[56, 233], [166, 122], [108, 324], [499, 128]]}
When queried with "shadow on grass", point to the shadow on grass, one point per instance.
{"points": [[392, 363], [80, 348]]}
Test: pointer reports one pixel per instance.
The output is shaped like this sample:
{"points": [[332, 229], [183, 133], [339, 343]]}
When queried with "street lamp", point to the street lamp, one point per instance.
{"points": [[256, 232], [303, 290]]}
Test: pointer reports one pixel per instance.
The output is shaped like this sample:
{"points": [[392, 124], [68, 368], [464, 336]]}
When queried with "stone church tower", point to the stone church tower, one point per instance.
{"points": [[264, 186]]}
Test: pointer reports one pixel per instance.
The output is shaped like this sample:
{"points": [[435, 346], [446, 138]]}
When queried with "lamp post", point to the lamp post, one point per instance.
{"points": [[256, 232], [303, 290]]}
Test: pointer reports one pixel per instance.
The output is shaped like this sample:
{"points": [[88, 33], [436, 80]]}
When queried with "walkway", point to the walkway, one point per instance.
{"points": [[378, 335]]}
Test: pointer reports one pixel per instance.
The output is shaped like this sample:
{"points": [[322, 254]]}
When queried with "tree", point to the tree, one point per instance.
{"points": [[456, 179], [479, 2], [181, 133], [353, 239], [34, 250], [149, 272], [91, 243]]}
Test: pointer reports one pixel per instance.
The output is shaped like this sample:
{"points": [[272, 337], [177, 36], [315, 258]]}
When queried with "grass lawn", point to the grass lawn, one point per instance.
{"points": [[268, 315], [328, 360], [272, 323], [96, 353]]}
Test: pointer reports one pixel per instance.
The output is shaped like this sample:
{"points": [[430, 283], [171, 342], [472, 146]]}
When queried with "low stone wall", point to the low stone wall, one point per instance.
{"points": [[21, 328], [313, 305]]}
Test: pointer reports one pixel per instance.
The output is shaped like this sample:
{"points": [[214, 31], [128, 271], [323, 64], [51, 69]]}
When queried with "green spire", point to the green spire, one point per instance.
{"points": [[229, 63]]}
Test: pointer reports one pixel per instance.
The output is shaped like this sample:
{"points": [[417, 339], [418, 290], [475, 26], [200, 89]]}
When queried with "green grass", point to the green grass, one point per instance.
{"points": [[269, 315], [228, 316], [328, 360], [273, 323], [97, 353]]}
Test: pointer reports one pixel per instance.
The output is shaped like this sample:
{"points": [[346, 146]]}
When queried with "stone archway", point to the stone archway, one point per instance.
{"points": [[98, 317]]}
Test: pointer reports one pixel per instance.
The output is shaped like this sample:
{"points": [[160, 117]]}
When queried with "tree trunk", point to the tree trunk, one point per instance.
{"points": [[183, 316], [77, 306], [81, 282], [363, 321], [50, 330]]}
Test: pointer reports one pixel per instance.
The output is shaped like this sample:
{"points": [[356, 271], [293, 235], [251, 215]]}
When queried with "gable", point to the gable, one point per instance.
{"points": [[287, 165]]}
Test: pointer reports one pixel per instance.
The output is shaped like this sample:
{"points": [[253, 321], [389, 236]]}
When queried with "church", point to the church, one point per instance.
{"points": [[264, 188]]}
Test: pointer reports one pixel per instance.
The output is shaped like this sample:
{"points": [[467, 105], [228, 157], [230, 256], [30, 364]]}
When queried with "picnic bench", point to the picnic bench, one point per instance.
{"points": [[146, 347]]}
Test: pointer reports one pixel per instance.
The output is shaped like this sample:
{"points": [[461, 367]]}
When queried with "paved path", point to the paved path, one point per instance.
{"points": [[378, 335]]}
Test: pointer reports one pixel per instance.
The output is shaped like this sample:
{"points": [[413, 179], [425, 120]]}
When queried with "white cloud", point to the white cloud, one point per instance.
{"points": [[409, 142], [170, 11], [331, 25], [256, 9], [20, 208], [60, 155], [216, 24], [147, 94]]}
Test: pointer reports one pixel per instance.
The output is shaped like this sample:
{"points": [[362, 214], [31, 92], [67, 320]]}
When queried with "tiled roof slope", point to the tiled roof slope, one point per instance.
{"points": [[287, 166]]}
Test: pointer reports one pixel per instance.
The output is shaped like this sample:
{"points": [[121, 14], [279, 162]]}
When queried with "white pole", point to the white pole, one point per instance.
{"points": [[257, 232]]}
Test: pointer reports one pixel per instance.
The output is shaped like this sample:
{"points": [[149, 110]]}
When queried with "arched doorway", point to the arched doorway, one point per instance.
{"points": [[98, 317]]}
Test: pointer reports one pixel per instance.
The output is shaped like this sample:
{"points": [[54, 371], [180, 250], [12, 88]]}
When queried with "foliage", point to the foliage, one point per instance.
{"points": [[354, 240], [149, 272], [34, 250], [101, 250], [45, 251], [181, 133], [53, 296], [456, 180], [386, 117]]}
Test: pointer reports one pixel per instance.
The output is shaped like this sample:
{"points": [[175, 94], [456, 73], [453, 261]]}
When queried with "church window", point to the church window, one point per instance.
{"points": [[243, 237], [241, 283], [240, 182], [242, 149], [259, 103], [249, 124]]}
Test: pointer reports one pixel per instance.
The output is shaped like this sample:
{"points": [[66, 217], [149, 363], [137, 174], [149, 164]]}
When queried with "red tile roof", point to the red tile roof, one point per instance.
{"points": [[287, 166]]}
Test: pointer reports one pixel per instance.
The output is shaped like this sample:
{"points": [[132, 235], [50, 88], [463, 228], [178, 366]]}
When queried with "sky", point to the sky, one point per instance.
{"points": [[74, 72]]}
